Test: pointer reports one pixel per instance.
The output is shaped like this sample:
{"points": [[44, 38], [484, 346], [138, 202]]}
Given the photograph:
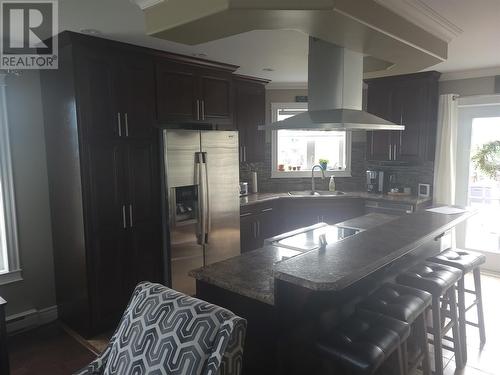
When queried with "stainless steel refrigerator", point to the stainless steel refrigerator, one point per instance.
{"points": [[202, 188]]}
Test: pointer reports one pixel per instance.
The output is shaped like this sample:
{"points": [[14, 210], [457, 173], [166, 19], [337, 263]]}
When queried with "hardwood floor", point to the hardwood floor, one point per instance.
{"points": [[51, 350], [47, 350]]}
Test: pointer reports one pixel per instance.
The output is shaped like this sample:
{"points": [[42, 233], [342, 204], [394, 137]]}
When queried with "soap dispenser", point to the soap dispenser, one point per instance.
{"points": [[331, 184]]}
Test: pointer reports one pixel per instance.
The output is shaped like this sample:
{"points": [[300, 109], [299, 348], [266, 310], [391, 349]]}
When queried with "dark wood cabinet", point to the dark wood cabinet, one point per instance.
{"points": [[250, 112], [298, 213], [104, 178], [257, 222], [413, 101], [187, 93]]}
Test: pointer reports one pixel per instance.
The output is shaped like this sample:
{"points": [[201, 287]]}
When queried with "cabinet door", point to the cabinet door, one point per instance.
{"points": [[266, 225], [250, 106], [409, 107], [96, 86], [105, 202], [379, 143], [248, 233], [137, 96], [216, 93], [144, 213], [177, 92]]}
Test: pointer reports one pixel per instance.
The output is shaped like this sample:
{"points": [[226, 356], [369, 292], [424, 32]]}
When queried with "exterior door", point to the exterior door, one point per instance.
{"points": [[479, 124], [221, 150]]}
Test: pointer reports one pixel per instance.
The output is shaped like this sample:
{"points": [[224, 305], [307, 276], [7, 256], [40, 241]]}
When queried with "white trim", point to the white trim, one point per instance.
{"points": [[478, 101], [422, 15], [307, 173], [471, 73], [7, 180], [10, 277], [287, 86], [31, 318], [145, 4]]}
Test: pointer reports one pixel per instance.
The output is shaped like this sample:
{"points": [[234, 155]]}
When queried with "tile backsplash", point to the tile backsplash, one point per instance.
{"points": [[409, 176]]}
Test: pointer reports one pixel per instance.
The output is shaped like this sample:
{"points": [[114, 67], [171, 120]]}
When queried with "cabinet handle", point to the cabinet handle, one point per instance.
{"points": [[258, 229], [245, 153], [126, 124], [390, 152], [395, 152], [254, 229], [197, 109], [124, 218], [130, 216], [203, 109], [246, 214], [266, 209], [119, 125]]}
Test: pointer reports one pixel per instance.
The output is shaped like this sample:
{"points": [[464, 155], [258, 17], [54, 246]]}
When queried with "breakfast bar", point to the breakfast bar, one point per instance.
{"points": [[291, 294]]}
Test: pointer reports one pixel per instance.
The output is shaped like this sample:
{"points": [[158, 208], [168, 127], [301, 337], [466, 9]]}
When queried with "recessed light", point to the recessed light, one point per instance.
{"points": [[91, 31], [268, 70]]}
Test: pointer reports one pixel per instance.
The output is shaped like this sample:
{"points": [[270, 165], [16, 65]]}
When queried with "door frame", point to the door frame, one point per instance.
{"points": [[469, 108]]}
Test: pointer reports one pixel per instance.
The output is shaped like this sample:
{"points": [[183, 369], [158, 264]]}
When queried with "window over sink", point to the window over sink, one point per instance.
{"points": [[295, 152]]}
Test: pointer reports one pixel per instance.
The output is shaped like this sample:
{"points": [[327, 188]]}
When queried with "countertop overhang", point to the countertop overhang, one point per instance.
{"points": [[346, 262], [339, 266]]}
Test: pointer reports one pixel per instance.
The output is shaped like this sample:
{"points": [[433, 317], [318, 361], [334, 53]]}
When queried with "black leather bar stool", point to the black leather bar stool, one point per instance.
{"points": [[439, 280], [408, 305], [466, 261], [363, 343]]}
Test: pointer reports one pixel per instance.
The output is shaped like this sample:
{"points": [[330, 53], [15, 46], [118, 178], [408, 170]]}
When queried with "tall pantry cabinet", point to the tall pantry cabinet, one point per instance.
{"points": [[104, 177]]}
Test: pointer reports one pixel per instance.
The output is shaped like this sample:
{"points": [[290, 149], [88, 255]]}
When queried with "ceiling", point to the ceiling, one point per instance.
{"points": [[474, 46]]}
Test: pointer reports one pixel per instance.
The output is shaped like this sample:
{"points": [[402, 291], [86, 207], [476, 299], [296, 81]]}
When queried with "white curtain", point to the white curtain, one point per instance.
{"points": [[446, 150]]}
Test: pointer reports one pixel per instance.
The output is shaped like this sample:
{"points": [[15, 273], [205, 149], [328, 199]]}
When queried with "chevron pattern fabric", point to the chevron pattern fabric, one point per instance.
{"points": [[164, 332]]}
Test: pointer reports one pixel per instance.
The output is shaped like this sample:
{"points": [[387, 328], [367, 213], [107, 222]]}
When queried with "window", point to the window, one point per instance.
{"points": [[295, 152], [9, 258]]}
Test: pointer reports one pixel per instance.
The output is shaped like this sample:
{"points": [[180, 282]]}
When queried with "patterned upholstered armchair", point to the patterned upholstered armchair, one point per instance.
{"points": [[165, 332]]}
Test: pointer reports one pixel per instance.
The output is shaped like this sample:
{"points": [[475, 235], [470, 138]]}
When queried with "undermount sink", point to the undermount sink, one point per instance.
{"points": [[306, 193]]}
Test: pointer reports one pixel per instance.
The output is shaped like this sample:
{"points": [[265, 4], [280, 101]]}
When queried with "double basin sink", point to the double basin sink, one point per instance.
{"points": [[308, 193]]}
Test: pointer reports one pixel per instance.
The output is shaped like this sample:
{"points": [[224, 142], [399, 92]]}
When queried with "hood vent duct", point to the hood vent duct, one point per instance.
{"points": [[335, 93]]}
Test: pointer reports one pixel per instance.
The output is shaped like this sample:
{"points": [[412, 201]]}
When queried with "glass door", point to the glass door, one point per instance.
{"points": [[479, 126]]}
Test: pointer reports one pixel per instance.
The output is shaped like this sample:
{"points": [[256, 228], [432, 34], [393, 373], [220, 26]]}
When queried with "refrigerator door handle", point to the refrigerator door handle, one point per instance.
{"points": [[200, 227], [207, 220]]}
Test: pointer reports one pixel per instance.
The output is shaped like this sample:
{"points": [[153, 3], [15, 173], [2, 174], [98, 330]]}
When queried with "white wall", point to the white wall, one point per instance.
{"points": [[24, 105], [468, 87]]}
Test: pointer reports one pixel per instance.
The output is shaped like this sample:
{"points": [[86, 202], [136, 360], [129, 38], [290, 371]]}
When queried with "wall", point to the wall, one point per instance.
{"points": [[36, 291], [468, 87]]}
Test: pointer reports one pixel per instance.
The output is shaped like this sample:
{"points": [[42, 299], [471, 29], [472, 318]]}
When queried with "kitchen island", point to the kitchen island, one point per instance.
{"points": [[291, 297]]}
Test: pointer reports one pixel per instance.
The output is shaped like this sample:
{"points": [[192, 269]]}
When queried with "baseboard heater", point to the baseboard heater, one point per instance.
{"points": [[30, 319]]}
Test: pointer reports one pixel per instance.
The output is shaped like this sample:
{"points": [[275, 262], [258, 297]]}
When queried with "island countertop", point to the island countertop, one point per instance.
{"points": [[344, 263]]}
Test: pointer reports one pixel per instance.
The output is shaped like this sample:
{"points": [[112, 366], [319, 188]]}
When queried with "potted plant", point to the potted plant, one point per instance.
{"points": [[487, 159], [323, 163]]}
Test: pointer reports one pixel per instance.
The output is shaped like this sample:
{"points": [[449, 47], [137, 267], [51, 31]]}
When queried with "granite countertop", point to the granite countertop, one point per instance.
{"points": [[263, 197], [251, 274], [344, 263]]}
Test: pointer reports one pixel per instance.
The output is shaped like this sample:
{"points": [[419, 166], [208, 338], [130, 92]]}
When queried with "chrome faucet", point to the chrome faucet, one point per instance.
{"points": [[313, 182]]}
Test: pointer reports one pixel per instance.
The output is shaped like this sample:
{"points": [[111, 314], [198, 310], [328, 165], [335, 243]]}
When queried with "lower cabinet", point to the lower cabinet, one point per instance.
{"points": [[261, 221], [257, 222]]}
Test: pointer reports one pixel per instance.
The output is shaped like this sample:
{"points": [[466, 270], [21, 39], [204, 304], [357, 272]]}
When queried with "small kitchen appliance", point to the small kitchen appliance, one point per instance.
{"points": [[376, 181], [243, 189]]}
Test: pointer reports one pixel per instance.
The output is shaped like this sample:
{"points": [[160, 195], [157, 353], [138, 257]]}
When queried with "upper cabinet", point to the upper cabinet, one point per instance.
{"points": [[250, 113], [411, 100], [188, 93]]}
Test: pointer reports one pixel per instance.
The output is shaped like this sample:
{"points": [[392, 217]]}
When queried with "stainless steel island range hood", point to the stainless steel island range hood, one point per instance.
{"points": [[335, 93]]}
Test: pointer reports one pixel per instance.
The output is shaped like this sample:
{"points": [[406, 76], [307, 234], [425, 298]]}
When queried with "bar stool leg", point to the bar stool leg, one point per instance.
{"points": [[479, 297], [421, 325], [462, 318], [456, 331], [436, 332]]}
